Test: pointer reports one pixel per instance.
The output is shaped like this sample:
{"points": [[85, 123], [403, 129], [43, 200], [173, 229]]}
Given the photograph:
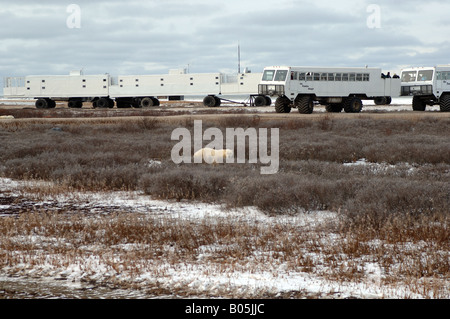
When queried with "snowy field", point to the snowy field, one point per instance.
{"points": [[203, 277], [206, 278]]}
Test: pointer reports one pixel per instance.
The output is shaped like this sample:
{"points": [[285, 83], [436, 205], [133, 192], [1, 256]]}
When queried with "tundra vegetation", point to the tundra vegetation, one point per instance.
{"points": [[387, 180]]}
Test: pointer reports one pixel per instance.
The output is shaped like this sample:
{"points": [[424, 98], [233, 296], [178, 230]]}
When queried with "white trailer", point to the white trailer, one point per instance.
{"points": [[129, 90], [428, 86], [143, 90], [336, 88], [47, 89]]}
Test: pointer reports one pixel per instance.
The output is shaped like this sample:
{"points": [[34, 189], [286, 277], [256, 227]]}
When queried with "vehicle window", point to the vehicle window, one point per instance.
{"points": [[345, 77], [281, 75], [352, 77], [330, 76], [366, 77], [309, 76], [294, 76], [425, 75], [338, 77], [323, 77], [443, 75], [268, 75], [316, 76], [359, 77], [302, 76], [409, 76]]}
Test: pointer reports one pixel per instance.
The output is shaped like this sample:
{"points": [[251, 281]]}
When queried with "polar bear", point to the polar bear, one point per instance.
{"points": [[212, 156]]}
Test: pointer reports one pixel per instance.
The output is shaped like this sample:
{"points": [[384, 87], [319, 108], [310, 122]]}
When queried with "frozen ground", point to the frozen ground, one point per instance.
{"points": [[46, 281]]}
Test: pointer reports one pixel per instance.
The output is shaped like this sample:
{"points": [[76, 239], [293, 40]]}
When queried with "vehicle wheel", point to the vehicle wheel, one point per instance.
{"points": [[283, 105], [334, 108], [388, 100], [209, 101], [121, 104], [75, 104], [380, 100], [353, 105], [146, 102], [136, 103], [218, 101], [104, 103], [155, 101], [41, 104], [51, 104], [445, 103], [418, 104], [72, 104], [268, 101], [260, 101], [304, 104]]}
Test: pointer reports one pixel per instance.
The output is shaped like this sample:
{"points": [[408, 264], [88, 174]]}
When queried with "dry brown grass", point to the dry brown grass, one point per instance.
{"points": [[392, 212]]}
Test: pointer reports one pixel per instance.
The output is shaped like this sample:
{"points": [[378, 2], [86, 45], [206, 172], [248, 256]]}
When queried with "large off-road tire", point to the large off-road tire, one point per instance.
{"points": [[418, 104], [218, 101], [304, 104], [105, 103], [121, 104], [137, 103], [445, 103], [381, 100], [334, 108], [41, 104], [75, 104], [268, 101], [283, 105], [51, 104], [209, 101], [147, 102], [155, 101], [388, 100], [353, 105], [260, 100]]}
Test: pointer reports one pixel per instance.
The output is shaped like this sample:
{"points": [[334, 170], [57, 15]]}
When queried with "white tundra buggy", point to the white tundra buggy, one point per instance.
{"points": [[336, 88], [428, 86]]}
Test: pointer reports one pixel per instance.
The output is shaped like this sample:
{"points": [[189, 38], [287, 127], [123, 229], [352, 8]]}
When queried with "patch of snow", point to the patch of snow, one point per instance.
{"points": [[202, 275]]}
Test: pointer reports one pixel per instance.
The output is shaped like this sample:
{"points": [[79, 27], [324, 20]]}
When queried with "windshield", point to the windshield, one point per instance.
{"points": [[281, 75], [409, 76], [425, 75], [268, 75]]}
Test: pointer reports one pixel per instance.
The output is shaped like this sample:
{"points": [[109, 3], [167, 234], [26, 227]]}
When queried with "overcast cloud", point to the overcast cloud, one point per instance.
{"points": [[149, 37]]}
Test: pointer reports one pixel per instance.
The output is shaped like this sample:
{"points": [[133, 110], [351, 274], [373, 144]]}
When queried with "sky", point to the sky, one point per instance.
{"points": [[151, 37]]}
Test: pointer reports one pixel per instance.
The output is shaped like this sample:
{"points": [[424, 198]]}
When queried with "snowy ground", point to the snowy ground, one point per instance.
{"points": [[195, 276], [46, 281]]}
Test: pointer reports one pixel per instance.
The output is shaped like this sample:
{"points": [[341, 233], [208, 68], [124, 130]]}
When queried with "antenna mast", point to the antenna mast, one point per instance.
{"points": [[239, 58]]}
